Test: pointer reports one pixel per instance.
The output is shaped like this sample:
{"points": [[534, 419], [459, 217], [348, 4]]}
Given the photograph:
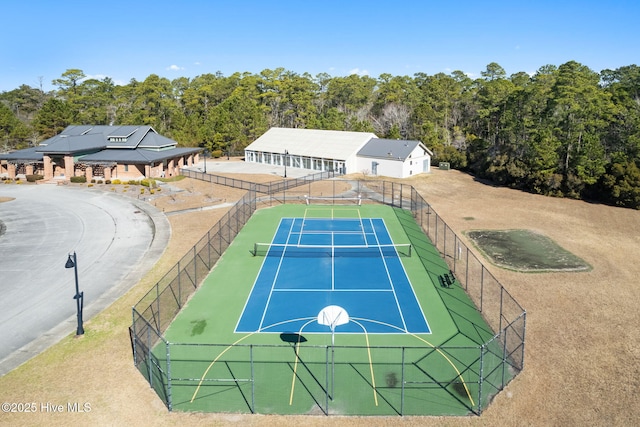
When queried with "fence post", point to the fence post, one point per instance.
{"points": [[150, 373], [326, 378], [179, 282], [444, 242], [501, 307], [134, 336], [481, 288], [480, 379], [402, 387], [169, 398], [466, 274], [504, 358], [158, 306], [253, 382]]}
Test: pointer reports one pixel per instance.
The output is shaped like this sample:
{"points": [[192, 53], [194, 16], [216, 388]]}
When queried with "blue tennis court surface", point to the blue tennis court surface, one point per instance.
{"points": [[313, 263]]}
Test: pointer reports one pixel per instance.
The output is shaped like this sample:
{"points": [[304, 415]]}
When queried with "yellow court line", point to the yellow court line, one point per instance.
{"points": [[451, 363], [373, 378], [295, 365], [436, 349], [214, 361], [295, 370]]}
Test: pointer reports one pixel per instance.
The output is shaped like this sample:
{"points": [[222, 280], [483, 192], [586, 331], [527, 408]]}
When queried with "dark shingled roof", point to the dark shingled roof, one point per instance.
{"points": [[392, 149], [83, 139], [139, 156], [122, 144], [28, 154], [70, 144]]}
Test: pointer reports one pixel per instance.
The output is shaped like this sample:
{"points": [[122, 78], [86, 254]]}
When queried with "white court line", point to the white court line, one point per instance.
{"points": [[386, 267], [332, 290], [333, 260], [275, 277]]}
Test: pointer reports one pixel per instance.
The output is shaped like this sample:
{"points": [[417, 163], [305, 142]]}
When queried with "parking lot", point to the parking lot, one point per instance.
{"points": [[116, 239]]}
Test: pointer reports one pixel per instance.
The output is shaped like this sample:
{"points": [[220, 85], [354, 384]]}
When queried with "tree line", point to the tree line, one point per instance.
{"points": [[564, 131]]}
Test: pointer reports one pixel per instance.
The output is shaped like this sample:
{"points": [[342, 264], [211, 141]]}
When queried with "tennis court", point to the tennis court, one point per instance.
{"points": [[326, 310], [356, 267]]}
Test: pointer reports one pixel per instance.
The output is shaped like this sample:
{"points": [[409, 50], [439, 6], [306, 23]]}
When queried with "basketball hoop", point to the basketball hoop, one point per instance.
{"points": [[332, 316]]}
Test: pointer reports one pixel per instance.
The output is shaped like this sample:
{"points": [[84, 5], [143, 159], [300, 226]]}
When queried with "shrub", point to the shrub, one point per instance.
{"points": [[216, 154], [78, 179], [108, 182], [133, 182], [93, 181], [148, 182], [34, 178], [116, 181]]}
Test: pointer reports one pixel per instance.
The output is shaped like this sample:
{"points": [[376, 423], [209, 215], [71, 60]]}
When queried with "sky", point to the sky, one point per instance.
{"points": [[124, 40]]}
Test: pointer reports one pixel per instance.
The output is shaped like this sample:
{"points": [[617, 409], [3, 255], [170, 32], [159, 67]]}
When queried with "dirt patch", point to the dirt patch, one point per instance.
{"points": [[6, 199], [582, 360]]}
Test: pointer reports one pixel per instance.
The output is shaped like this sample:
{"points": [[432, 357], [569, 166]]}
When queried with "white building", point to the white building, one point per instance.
{"points": [[346, 152], [394, 158]]}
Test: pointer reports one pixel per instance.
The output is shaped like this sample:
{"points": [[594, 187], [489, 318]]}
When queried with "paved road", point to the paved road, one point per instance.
{"points": [[117, 240]]}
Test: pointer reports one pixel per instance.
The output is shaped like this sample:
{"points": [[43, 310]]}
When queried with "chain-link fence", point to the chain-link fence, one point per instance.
{"points": [[414, 381]]}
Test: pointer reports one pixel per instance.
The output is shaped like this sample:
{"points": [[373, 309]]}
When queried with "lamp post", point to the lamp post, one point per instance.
{"points": [[79, 296], [204, 154], [286, 153]]}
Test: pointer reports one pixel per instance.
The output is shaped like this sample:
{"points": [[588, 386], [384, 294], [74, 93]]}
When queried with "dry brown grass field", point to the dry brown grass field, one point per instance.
{"points": [[582, 357]]}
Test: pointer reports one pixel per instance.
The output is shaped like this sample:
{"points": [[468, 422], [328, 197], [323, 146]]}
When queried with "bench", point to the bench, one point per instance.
{"points": [[443, 283], [447, 280]]}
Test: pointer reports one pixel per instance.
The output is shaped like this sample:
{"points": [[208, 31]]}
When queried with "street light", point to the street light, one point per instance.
{"points": [[286, 153], [204, 154], [79, 296]]}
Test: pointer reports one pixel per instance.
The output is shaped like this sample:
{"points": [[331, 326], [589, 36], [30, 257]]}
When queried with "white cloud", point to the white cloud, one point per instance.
{"points": [[359, 72], [174, 68], [95, 76]]}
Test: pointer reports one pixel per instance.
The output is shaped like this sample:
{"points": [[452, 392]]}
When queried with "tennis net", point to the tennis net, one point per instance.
{"points": [[331, 251]]}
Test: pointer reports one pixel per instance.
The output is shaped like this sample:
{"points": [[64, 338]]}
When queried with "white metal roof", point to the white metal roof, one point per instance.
{"points": [[327, 144]]}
